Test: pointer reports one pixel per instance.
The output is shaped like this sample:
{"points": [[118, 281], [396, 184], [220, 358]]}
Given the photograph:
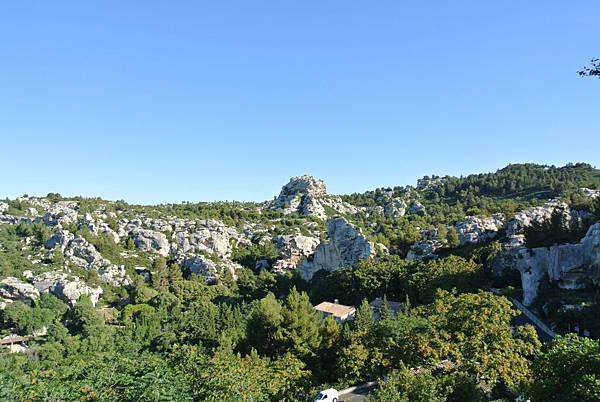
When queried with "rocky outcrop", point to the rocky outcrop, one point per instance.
{"points": [[430, 183], [212, 271], [308, 196], [588, 192], [569, 266], [208, 235], [3, 207], [292, 250], [151, 241], [61, 213], [474, 230], [423, 250], [99, 228], [396, 208], [416, 208], [12, 289], [83, 254], [346, 247], [60, 239], [515, 228], [65, 287]]}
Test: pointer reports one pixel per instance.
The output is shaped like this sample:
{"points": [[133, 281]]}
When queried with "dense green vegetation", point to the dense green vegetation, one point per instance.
{"points": [[178, 339]]}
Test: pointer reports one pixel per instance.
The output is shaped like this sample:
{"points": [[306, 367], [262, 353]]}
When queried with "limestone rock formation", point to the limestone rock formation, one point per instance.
{"points": [[12, 289], [308, 196], [569, 266], [588, 192], [474, 230], [515, 228], [346, 247], [423, 250], [83, 254], [3, 207], [292, 250], [98, 227], [60, 238], [428, 183], [152, 241], [396, 208], [416, 207], [65, 287], [62, 213], [212, 271], [208, 235]]}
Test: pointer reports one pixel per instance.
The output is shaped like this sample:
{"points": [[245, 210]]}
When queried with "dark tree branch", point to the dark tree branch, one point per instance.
{"points": [[593, 71]]}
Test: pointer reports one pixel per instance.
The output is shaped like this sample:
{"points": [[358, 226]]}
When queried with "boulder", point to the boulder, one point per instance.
{"points": [[151, 241], [211, 271], [61, 213], [13, 289], [416, 208], [396, 208], [60, 238], [68, 288], [346, 247], [293, 249], [99, 228], [209, 235], [423, 250], [474, 230], [588, 192], [3, 207]]}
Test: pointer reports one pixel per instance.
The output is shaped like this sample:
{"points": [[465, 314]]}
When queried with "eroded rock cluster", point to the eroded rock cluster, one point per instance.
{"points": [[308, 196]]}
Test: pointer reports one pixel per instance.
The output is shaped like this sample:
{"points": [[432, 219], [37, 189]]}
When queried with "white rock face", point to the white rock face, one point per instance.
{"points": [[3, 207], [13, 289], [61, 239], [152, 241], [99, 228], [85, 255], [416, 207], [292, 250], [588, 192], [346, 247], [474, 230], [428, 183], [65, 287], [209, 235], [212, 271], [308, 196], [62, 213], [515, 228], [423, 250], [396, 208], [570, 266]]}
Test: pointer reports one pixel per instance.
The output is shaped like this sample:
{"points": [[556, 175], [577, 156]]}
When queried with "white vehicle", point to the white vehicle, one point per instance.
{"points": [[328, 395]]}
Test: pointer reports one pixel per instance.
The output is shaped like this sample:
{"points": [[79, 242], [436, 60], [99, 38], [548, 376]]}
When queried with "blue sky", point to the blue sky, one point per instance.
{"points": [[154, 101]]}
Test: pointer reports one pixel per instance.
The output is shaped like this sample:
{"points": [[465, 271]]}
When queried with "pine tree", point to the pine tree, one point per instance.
{"points": [[299, 331], [452, 238]]}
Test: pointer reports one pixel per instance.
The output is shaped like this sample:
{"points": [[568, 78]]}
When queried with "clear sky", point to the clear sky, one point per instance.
{"points": [[164, 101]]}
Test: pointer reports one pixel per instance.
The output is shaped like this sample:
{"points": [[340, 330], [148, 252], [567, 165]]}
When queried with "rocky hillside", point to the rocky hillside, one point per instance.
{"points": [[75, 246]]}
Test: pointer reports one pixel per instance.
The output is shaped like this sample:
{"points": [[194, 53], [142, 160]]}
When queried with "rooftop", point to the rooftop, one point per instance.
{"points": [[335, 309]]}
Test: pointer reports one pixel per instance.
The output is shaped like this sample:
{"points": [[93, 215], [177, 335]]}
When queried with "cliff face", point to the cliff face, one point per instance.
{"points": [[569, 266], [346, 247]]}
